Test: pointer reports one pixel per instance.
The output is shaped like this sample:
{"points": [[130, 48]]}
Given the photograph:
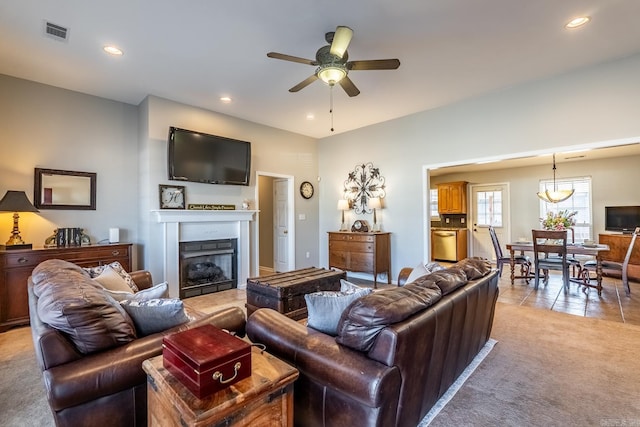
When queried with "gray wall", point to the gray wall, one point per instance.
{"points": [[590, 107]]}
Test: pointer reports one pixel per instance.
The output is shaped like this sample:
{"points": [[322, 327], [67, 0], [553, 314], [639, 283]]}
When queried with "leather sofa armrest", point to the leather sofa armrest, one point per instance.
{"points": [[120, 368], [319, 357], [404, 275], [142, 279]]}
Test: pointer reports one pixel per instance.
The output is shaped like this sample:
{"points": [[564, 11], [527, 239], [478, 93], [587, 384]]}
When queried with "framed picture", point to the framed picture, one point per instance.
{"points": [[172, 197]]}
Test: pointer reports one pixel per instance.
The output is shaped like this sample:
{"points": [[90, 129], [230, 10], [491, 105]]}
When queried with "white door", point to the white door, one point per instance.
{"points": [[281, 224], [490, 206]]}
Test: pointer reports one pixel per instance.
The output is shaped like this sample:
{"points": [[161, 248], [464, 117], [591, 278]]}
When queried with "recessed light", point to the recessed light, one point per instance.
{"points": [[225, 99], [310, 116], [112, 50], [577, 22]]}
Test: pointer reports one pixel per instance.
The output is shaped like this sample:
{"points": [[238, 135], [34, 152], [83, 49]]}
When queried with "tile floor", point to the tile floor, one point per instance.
{"points": [[612, 305]]}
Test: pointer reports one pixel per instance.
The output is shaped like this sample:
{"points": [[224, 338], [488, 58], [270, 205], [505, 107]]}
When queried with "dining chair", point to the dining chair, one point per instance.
{"points": [[612, 266], [522, 260], [554, 242]]}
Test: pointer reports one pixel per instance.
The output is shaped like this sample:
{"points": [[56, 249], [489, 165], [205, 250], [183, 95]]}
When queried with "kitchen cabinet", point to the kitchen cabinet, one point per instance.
{"points": [[618, 246], [16, 267], [452, 197], [361, 252]]}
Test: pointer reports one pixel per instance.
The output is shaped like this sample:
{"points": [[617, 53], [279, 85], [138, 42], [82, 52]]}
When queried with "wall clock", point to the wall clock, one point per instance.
{"points": [[171, 197], [362, 184], [306, 190]]}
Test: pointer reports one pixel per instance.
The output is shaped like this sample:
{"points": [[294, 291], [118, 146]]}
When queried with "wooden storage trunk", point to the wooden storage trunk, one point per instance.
{"points": [[284, 292], [206, 359]]}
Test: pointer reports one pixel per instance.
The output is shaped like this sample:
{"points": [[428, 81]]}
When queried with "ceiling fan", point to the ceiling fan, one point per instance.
{"points": [[332, 62]]}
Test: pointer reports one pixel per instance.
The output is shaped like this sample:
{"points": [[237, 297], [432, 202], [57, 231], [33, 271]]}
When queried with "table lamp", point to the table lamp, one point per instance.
{"points": [[16, 201], [374, 203], [343, 205]]}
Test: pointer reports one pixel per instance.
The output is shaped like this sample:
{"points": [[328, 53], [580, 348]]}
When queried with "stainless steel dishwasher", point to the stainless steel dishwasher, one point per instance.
{"points": [[444, 245]]}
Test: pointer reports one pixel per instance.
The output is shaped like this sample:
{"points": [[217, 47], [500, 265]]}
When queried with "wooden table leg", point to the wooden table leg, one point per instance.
{"points": [[512, 264], [599, 274]]}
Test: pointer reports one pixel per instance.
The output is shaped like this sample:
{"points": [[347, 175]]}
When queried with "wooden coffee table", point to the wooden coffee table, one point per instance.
{"points": [[265, 398]]}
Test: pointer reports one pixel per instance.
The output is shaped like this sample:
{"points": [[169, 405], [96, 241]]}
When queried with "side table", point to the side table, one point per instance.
{"points": [[265, 398]]}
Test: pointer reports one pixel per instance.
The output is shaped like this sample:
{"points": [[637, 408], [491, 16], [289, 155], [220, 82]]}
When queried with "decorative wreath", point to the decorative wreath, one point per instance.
{"points": [[362, 184]]}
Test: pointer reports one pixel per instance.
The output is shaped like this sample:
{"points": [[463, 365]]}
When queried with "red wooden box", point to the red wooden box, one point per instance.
{"points": [[206, 359]]}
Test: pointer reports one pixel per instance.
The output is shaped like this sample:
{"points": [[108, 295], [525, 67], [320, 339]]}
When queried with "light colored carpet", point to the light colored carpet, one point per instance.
{"points": [[548, 369]]}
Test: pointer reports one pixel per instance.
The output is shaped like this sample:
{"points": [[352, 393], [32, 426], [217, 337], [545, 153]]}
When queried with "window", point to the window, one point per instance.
{"points": [[433, 204], [489, 208], [580, 202]]}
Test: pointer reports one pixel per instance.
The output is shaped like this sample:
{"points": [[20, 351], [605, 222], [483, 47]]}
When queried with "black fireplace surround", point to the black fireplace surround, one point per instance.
{"points": [[208, 266]]}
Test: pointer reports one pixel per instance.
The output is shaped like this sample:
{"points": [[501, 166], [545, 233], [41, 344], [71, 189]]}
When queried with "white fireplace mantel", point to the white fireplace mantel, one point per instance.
{"points": [[185, 226]]}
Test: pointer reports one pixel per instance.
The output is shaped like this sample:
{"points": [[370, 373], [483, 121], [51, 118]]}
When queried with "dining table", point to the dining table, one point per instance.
{"points": [[595, 250]]}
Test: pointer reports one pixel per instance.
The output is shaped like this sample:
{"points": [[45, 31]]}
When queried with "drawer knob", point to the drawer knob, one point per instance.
{"points": [[22, 260], [115, 253]]}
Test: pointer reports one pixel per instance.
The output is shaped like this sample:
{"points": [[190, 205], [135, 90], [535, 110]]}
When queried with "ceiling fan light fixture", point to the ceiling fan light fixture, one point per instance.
{"points": [[331, 73]]}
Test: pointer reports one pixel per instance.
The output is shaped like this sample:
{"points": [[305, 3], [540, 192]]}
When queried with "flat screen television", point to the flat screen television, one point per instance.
{"points": [[621, 218], [200, 157]]}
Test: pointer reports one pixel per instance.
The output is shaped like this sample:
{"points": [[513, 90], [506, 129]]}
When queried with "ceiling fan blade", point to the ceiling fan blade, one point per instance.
{"points": [[349, 87], [341, 40], [374, 64], [284, 57], [306, 82]]}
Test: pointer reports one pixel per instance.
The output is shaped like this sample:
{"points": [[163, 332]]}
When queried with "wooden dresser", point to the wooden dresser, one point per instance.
{"points": [[618, 246], [361, 252], [16, 267]]}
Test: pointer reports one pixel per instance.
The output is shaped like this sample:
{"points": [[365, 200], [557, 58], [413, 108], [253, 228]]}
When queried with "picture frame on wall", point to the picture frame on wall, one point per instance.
{"points": [[172, 196]]}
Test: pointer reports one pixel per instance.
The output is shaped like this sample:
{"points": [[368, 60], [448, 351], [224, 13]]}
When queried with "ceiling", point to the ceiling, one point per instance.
{"points": [[198, 51]]}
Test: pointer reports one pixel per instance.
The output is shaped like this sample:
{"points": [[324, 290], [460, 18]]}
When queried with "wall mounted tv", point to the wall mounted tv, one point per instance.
{"points": [[199, 157], [621, 218]]}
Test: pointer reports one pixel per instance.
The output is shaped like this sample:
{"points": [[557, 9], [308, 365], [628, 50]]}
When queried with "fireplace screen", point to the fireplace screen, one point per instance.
{"points": [[207, 266]]}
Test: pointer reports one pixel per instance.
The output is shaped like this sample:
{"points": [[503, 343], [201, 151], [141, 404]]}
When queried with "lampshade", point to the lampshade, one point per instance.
{"points": [[16, 201], [343, 205], [556, 195], [374, 203], [331, 73]]}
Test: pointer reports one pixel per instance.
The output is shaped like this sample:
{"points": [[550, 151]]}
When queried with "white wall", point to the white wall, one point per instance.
{"points": [[48, 127], [590, 106], [272, 150]]}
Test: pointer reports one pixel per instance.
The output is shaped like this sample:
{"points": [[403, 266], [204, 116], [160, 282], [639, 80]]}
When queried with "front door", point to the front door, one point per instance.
{"points": [[489, 206]]}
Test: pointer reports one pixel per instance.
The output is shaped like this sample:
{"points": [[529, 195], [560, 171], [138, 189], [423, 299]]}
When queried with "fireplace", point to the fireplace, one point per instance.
{"points": [[208, 266]]}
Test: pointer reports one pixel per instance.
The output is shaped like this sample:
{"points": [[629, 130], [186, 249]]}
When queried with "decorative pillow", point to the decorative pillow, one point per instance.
{"points": [[419, 271], [363, 320], [161, 290], [474, 267], [111, 280], [325, 308], [68, 300], [155, 315], [96, 271], [349, 288]]}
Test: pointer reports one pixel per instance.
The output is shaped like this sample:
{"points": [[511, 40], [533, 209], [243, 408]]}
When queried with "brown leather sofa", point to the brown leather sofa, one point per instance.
{"points": [[417, 339], [106, 388]]}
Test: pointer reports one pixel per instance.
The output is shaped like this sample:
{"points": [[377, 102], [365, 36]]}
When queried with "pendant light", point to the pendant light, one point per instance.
{"points": [[556, 195]]}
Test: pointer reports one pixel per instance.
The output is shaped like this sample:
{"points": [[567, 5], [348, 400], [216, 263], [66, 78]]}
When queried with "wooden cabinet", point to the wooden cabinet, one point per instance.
{"points": [[16, 267], [452, 197], [263, 399], [361, 252], [618, 246]]}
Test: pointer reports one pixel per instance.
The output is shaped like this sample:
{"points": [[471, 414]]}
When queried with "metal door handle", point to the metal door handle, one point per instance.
{"points": [[285, 231]]}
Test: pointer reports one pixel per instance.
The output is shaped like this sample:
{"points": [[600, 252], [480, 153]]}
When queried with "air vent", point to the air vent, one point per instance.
{"points": [[56, 31]]}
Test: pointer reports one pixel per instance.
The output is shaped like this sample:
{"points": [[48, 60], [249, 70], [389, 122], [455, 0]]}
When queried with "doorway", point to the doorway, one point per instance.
{"points": [[275, 223], [489, 206]]}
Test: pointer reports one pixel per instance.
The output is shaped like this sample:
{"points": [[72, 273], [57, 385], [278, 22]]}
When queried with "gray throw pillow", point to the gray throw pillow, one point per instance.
{"points": [[155, 315], [325, 308]]}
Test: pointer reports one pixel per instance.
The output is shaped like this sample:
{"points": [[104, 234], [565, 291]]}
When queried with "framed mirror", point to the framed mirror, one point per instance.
{"points": [[58, 189]]}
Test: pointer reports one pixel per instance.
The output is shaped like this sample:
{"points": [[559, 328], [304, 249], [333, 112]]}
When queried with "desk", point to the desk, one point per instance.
{"points": [[572, 249]]}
